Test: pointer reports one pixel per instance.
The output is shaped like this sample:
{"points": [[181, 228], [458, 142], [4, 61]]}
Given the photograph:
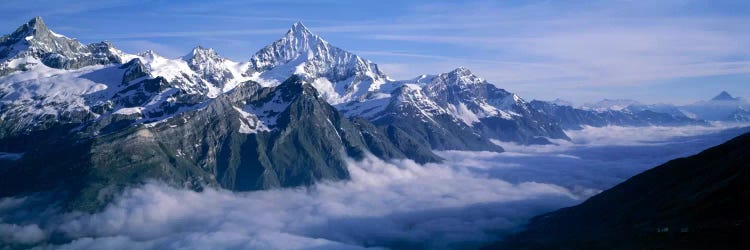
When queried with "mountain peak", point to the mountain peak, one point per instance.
{"points": [[36, 31], [201, 53], [299, 31], [299, 26], [460, 76], [199, 48], [210, 66], [340, 75], [462, 70], [34, 27], [201, 57], [150, 55], [37, 22], [724, 96], [34, 39]]}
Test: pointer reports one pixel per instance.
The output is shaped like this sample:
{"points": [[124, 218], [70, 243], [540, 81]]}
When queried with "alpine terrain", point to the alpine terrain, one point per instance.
{"points": [[86, 120]]}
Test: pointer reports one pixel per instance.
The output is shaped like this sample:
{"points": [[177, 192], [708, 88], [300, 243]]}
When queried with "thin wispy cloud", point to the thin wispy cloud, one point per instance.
{"points": [[587, 48], [579, 51], [47, 8]]}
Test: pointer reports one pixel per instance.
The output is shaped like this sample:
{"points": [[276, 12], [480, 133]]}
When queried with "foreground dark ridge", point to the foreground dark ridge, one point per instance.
{"points": [[698, 202]]}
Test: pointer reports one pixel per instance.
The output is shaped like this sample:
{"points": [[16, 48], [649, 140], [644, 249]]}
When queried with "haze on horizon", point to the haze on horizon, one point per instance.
{"points": [[672, 51]]}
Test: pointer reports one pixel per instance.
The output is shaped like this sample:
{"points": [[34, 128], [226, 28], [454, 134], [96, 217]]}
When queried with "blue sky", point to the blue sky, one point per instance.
{"points": [[677, 51]]}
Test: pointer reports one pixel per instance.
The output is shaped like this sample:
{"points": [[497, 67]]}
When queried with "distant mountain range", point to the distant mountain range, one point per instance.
{"points": [[722, 107], [697, 202], [622, 112], [87, 119], [575, 118]]}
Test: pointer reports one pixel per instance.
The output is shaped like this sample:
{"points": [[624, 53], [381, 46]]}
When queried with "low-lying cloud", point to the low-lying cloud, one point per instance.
{"points": [[392, 204], [471, 199], [618, 136]]}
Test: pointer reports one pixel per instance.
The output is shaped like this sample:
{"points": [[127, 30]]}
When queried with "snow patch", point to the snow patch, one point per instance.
{"points": [[365, 109], [326, 90], [129, 111], [249, 123], [463, 113], [57, 35]]}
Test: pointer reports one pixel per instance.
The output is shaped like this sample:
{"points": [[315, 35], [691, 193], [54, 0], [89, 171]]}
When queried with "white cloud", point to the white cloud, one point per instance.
{"points": [[632, 136], [385, 203], [25, 234], [474, 197], [615, 136], [598, 158]]}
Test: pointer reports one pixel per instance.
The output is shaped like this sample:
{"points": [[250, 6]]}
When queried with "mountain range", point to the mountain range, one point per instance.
{"points": [[87, 120], [723, 107]]}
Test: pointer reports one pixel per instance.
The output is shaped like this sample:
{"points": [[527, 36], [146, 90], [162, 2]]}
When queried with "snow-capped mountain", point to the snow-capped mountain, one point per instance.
{"points": [[198, 120], [72, 83], [360, 89], [340, 76], [51, 79], [622, 112], [465, 103], [100, 118], [202, 71], [610, 104], [221, 74], [33, 43], [723, 107], [408, 110], [570, 117], [491, 111], [253, 137], [468, 97]]}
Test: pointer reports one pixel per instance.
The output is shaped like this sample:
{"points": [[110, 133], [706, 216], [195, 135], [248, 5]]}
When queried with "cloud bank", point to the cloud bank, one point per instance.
{"points": [[392, 204], [472, 198]]}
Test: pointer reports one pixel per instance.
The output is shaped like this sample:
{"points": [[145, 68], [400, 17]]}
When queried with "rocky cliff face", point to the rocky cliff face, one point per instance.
{"points": [[251, 138]]}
